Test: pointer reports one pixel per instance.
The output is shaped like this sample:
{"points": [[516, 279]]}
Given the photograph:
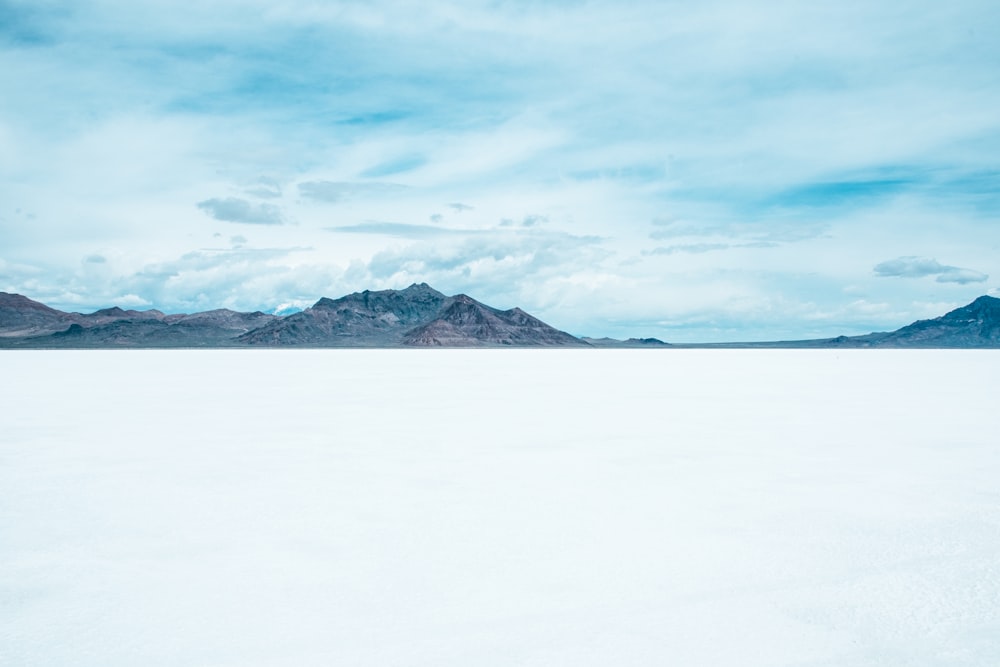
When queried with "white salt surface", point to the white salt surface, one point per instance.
{"points": [[497, 508]]}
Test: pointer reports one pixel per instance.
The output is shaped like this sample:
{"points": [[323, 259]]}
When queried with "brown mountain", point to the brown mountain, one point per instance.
{"points": [[21, 317], [416, 316], [465, 322], [974, 325], [361, 319], [27, 323]]}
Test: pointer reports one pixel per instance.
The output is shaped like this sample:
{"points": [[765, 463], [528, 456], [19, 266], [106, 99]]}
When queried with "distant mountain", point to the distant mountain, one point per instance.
{"points": [[976, 325], [630, 342], [972, 326], [151, 328], [22, 317], [418, 316], [362, 319], [465, 322]]}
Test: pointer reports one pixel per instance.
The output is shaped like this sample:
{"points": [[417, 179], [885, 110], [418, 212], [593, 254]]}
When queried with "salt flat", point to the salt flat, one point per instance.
{"points": [[500, 507]]}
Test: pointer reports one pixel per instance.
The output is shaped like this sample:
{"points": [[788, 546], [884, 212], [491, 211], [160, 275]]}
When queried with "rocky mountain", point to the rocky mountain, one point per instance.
{"points": [[151, 328], [22, 317], [976, 325], [362, 319], [416, 316], [973, 326], [27, 323], [464, 322]]}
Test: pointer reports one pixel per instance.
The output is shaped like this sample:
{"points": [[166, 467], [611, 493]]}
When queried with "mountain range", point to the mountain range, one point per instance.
{"points": [[418, 316]]}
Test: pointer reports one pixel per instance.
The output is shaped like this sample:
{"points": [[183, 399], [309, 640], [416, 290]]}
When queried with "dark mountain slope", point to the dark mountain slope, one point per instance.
{"points": [[976, 325], [362, 319], [20, 316], [467, 323], [972, 326], [216, 328], [144, 332], [27, 323], [115, 313], [223, 318], [417, 316]]}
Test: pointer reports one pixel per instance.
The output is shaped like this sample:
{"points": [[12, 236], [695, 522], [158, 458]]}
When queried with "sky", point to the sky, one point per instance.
{"points": [[703, 171]]}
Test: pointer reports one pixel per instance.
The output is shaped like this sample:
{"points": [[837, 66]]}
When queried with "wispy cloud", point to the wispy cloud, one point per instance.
{"points": [[336, 191], [264, 192], [920, 267], [395, 166], [699, 248], [837, 193], [400, 230], [234, 209]]}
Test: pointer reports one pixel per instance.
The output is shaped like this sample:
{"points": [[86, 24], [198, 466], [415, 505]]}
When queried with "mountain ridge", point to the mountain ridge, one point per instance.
{"points": [[417, 316], [383, 318]]}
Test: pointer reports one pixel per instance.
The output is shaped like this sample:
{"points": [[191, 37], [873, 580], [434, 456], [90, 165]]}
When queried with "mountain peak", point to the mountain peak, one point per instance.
{"points": [[420, 287], [466, 322], [414, 291], [988, 302], [985, 308], [113, 311], [974, 325]]}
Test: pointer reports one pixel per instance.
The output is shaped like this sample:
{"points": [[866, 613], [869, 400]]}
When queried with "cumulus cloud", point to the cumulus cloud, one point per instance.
{"points": [[493, 262], [234, 209], [130, 301], [921, 267], [335, 191], [95, 259], [460, 207], [239, 278]]}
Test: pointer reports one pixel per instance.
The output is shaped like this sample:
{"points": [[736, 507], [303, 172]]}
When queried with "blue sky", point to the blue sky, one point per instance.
{"points": [[691, 171]]}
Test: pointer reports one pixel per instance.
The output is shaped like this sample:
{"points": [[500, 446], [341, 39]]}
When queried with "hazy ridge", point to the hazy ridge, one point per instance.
{"points": [[418, 316]]}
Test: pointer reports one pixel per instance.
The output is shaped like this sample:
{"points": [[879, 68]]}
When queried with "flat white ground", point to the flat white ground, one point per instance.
{"points": [[498, 508]]}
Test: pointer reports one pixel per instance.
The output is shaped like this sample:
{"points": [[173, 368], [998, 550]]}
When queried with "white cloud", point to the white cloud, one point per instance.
{"points": [[130, 301], [919, 267], [332, 191], [233, 209]]}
